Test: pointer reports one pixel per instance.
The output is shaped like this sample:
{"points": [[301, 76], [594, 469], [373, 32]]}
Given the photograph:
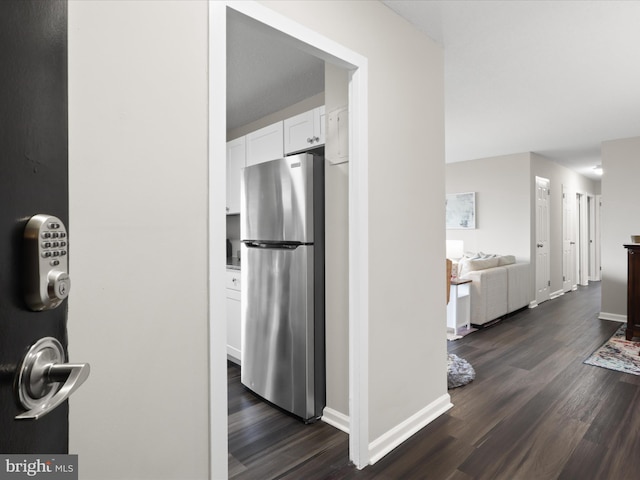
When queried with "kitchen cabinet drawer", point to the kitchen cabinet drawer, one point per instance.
{"points": [[233, 279]]}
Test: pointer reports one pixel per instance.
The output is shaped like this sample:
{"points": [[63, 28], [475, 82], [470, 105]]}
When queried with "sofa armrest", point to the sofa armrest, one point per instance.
{"points": [[519, 292], [488, 294]]}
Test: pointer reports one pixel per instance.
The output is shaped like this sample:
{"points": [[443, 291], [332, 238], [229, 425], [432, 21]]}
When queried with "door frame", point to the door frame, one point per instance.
{"points": [[357, 66]]}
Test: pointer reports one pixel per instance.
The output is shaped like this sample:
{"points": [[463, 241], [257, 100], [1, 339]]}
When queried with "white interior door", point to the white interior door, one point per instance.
{"points": [[591, 203], [543, 260], [597, 264], [568, 240], [583, 239]]}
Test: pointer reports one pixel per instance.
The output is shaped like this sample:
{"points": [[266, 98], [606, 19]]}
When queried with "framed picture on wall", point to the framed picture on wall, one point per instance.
{"points": [[461, 210]]}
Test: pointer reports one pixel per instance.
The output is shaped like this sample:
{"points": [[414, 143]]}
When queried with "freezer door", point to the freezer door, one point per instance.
{"points": [[278, 361], [277, 200]]}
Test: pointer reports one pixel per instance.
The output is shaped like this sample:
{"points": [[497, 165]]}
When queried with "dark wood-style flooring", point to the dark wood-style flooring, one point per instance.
{"points": [[534, 411]]}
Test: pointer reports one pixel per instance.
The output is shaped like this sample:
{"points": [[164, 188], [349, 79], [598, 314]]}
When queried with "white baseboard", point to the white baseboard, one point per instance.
{"points": [[336, 419], [613, 316], [533, 304], [556, 294], [398, 434]]}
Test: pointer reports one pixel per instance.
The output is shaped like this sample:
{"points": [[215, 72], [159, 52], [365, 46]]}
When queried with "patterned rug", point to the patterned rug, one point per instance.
{"points": [[618, 354]]}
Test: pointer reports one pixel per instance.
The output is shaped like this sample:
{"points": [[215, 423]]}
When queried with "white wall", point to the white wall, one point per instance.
{"points": [[620, 220], [503, 204], [337, 254], [407, 357], [138, 238]]}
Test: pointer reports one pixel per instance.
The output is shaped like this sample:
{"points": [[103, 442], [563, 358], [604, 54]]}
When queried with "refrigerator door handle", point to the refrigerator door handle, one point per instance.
{"points": [[274, 245]]}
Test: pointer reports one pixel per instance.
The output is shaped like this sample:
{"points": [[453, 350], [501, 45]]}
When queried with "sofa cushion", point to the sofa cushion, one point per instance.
{"points": [[477, 264], [506, 260]]}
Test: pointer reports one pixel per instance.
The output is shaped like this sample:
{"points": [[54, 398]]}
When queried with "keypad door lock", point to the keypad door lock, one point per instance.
{"points": [[46, 247]]}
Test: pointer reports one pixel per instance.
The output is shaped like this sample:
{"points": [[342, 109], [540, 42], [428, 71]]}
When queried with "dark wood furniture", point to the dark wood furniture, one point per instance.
{"points": [[633, 291]]}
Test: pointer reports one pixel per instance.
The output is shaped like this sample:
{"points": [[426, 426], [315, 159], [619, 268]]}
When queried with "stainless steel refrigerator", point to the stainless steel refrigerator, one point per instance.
{"points": [[282, 233]]}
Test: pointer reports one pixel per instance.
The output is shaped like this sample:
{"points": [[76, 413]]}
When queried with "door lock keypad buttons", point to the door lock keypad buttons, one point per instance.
{"points": [[47, 280]]}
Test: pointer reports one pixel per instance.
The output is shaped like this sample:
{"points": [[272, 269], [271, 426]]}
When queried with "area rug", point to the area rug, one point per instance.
{"points": [[618, 354], [459, 371]]}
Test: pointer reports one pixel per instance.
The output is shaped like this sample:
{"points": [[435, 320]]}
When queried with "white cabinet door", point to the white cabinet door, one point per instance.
{"points": [[304, 131], [321, 127], [236, 151], [233, 326], [234, 340], [265, 144]]}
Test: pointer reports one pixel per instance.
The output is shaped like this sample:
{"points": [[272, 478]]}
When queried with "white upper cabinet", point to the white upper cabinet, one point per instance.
{"points": [[236, 154], [304, 131], [265, 144]]}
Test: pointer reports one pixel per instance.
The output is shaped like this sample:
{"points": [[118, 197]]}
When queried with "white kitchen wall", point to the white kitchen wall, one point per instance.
{"points": [[138, 237], [407, 346], [620, 220]]}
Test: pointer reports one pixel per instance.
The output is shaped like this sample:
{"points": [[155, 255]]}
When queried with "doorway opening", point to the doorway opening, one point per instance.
{"points": [[356, 65]]}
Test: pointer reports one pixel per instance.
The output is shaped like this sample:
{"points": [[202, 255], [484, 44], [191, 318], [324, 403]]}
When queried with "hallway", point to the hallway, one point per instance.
{"points": [[534, 411]]}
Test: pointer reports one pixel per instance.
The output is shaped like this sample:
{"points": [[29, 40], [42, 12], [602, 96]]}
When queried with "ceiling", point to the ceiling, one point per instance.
{"points": [[552, 77], [265, 72]]}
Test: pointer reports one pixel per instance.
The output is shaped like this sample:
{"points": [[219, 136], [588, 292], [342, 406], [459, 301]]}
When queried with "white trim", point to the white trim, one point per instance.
{"points": [[401, 432], [613, 316], [336, 419], [359, 266], [556, 294], [335, 53], [218, 413], [234, 355], [533, 304]]}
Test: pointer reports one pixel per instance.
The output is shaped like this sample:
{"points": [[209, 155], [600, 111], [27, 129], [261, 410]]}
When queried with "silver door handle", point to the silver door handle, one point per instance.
{"points": [[40, 375]]}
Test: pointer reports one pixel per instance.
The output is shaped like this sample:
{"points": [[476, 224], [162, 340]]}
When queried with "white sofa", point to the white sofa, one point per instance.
{"points": [[498, 286]]}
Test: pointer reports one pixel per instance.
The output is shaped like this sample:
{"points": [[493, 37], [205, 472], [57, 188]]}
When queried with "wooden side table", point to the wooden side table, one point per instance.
{"points": [[459, 306]]}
